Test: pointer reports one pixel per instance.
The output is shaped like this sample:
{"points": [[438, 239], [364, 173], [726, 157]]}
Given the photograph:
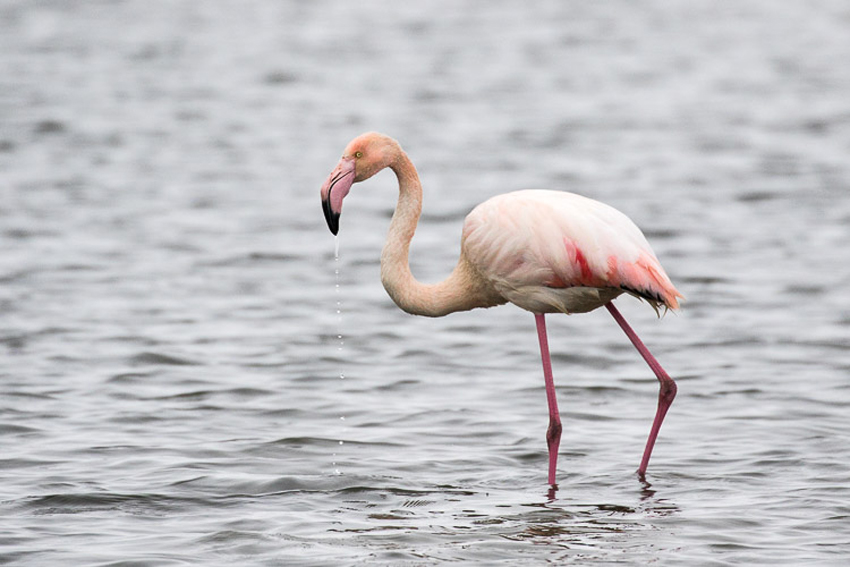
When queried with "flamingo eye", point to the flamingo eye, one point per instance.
{"points": [[358, 154]]}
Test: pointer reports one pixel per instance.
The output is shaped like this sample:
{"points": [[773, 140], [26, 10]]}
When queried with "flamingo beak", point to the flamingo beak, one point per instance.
{"points": [[334, 190]]}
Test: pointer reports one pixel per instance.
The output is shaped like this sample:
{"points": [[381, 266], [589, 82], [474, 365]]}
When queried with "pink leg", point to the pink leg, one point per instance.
{"points": [[666, 393], [553, 433]]}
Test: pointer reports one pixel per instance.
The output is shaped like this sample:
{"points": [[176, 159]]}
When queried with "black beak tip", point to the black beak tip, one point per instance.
{"points": [[333, 223], [331, 217]]}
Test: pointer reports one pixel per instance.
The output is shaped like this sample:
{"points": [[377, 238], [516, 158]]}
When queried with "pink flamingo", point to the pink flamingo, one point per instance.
{"points": [[543, 251]]}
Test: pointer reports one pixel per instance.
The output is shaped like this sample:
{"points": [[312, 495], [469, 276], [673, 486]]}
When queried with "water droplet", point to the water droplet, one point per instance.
{"points": [[340, 339]]}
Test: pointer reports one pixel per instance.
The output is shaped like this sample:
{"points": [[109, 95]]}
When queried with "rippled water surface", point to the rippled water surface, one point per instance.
{"points": [[182, 381]]}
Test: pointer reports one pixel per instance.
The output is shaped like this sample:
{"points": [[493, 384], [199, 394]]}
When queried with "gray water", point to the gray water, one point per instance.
{"points": [[183, 383]]}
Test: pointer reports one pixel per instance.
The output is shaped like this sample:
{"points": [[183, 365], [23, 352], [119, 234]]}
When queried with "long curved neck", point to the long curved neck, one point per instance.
{"points": [[461, 291]]}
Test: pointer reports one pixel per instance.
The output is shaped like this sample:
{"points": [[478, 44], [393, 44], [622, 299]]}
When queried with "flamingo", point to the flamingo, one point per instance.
{"points": [[543, 251]]}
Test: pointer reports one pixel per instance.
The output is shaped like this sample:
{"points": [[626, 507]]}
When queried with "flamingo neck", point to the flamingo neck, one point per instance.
{"points": [[455, 293]]}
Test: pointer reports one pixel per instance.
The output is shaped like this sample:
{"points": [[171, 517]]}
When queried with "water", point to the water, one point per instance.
{"points": [[170, 387]]}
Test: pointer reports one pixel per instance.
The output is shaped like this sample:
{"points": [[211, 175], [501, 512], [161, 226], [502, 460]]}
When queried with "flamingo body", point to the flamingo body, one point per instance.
{"points": [[552, 251], [544, 251]]}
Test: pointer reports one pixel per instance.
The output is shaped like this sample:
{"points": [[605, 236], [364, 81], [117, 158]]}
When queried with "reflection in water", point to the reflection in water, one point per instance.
{"points": [[567, 527], [589, 529]]}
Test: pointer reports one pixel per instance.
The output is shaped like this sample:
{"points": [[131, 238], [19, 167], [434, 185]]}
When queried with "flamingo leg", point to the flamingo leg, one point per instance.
{"points": [[666, 392], [553, 433]]}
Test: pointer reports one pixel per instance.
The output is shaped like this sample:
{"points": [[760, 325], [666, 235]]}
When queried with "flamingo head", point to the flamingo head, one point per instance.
{"points": [[363, 157]]}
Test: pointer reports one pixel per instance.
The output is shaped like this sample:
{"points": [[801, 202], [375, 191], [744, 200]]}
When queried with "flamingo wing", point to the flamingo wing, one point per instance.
{"points": [[551, 251]]}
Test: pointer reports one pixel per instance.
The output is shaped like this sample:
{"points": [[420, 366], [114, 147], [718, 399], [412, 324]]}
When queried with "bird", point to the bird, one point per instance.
{"points": [[544, 251]]}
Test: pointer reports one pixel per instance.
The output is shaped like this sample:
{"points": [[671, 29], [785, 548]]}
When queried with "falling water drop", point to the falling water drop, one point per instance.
{"points": [[339, 335], [341, 341]]}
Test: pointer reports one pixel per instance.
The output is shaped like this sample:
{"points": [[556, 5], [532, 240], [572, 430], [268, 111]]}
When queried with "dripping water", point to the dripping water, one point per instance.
{"points": [[339, 336]]}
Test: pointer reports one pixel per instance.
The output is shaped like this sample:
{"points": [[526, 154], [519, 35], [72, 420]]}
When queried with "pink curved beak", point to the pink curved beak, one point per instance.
{"points": [[334, 190]]}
